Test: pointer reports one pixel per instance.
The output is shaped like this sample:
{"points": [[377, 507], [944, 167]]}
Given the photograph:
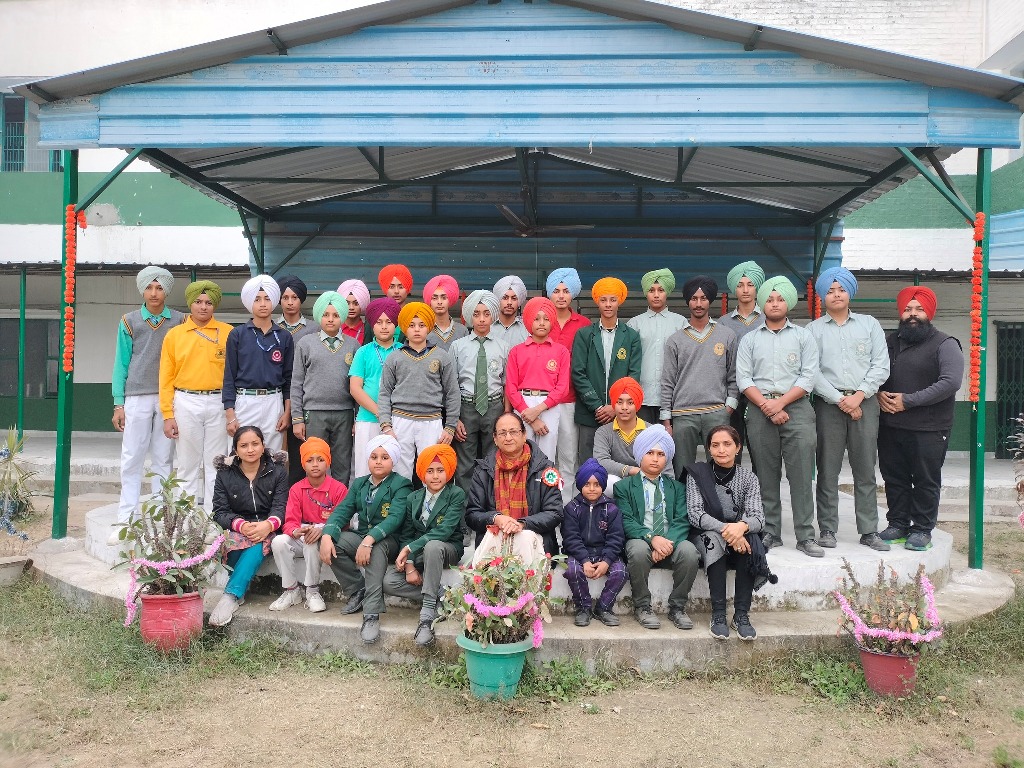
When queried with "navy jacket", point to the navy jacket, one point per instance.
{"points": [[592, 532], [254, 360]]}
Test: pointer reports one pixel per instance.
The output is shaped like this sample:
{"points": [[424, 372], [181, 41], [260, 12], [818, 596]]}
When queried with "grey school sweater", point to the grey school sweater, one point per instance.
{"points": [[611, 451], [419, 386], [698, 375], [144, 367], [320, 377], [457, 331]]}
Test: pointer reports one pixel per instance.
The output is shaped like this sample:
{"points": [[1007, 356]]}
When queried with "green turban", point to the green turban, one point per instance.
{"points": [[662, 277], [781, 285], [327, 299], [210, 288], [746, 269]]}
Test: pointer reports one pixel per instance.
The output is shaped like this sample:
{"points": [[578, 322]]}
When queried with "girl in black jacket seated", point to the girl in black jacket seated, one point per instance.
{"points": [[249, 497]]}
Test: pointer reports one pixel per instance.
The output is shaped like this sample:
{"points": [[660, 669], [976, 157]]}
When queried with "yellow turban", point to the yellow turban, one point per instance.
{"points": [[416, 309], [609, 286], [210, 288]]}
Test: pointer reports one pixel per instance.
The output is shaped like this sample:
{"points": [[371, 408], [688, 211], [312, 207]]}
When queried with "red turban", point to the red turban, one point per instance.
{"points": [[390, 272], [442, 453], [445, 282], [628, 386], [535, 305], [925, 296], [314, 446]]}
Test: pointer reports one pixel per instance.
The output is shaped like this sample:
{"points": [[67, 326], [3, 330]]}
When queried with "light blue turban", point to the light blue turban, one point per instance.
{"points": [[486, 298], [514, 283], [654, 436], [149, 274], [840, 275], [783, 286], [566, 275], [749, 269], [330, 299]]}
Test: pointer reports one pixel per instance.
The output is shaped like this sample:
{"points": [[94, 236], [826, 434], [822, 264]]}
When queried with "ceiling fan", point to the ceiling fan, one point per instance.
{"points": [[523, 228]]}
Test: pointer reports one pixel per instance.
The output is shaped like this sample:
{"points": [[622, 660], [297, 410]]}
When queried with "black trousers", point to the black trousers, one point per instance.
{"points": [[739, 423], [744, 592], [911, 465]]}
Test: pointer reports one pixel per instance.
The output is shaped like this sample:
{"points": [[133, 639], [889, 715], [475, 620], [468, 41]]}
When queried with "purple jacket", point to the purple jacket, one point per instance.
{"points": [[593, 532]]}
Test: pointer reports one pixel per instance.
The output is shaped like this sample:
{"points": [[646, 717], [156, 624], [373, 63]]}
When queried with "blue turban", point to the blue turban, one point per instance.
{"points": [[749, 269], [566, 275], [654, 436], [840, 275], [592, 469]]}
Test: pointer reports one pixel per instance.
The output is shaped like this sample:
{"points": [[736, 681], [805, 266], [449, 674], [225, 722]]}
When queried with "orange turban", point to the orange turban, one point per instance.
{"points": [[390, 272], [628, 386], [609, 286], [416, 309], [314, 446], [442, 453], [925, 296]]}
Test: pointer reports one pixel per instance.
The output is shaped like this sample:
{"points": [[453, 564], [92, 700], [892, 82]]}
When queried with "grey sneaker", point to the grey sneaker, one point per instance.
{"points": [[827, 539], [354, 603], [771, 540], [678, 617], [719, 629], [894, 535], [875, 541], [370, 631], [647, 619], [919, 541], [810, 548], [424, 636], [741, 623]]}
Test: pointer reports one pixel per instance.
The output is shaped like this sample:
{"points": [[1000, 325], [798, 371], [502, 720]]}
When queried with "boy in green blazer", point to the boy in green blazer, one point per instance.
{"points": [[431, 537], [378, 501], [654, 516]]}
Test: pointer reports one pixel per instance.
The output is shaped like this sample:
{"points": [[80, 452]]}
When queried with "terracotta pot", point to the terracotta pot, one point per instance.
{"points": [[170, 622], [889, 674]]}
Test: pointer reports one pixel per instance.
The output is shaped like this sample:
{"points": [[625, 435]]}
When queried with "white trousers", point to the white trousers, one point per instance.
{"points": [[201, 431], [551, 417], [285, 550], [568, 450], [143, 433], [365, 432], [261, 411], [413, 435], [527, 545]]}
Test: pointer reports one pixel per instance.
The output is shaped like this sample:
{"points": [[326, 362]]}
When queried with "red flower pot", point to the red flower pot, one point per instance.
{"points": [[169, 622], [889, 674]]}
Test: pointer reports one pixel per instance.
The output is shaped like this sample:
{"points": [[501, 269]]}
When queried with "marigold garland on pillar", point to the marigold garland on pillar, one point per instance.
{"points": [[974, 378], [71, 224], [813, 302], [725, 304]]}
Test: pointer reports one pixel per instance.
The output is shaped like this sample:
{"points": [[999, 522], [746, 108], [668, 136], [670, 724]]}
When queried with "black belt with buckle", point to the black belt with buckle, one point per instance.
{"points": [[491, 399], [258, 391], [772, 395], [534, 392], [848, 392], [198, 391]]}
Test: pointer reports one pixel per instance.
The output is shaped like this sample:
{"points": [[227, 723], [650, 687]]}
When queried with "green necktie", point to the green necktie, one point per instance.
{"points": [[480, 391], [660, 526], [332, 342]]}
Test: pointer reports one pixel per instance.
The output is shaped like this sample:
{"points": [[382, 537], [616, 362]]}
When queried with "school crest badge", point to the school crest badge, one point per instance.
{"points": [[439, 519], [719, 349], [435, 366], [862, 349], [621, 354], [349, 358], [791, 358], [494, 365], [385, 508], [277, 355], [220, 354], [552, 365]]}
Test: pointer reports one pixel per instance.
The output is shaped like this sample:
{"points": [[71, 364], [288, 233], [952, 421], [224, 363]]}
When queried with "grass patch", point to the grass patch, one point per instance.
{"points": [[1002, 758]]}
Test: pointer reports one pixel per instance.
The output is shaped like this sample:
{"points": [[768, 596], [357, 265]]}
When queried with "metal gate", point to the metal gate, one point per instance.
{"points": [[1009, 382]]}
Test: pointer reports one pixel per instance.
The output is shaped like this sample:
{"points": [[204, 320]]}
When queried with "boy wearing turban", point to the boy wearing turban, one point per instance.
{"points": [[365, 373], [926, 370], [293, 294], [657, 527], [395, 282], [654, 326], [744, 280], [419, 390], [613, 443], [853, 362], [136, 388], [698, 379], [321, 403], [593, 538], [442, 293], [776, 368], [480, 363], [601, 355], [191, 379], [310, 503], [357, 297], [508, 325], [258, 367], [431, 540]]}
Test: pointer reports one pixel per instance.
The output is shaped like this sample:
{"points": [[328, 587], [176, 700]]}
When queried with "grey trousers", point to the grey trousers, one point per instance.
{"points": [[838, 434], [689, 430], [479, 439], [372, 578], [683, 561], [585, 447], [792, 443], [436, 557], [335, 428]]}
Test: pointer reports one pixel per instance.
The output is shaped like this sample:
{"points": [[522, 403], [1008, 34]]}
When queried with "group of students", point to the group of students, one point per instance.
{"points": [[374, 393]]}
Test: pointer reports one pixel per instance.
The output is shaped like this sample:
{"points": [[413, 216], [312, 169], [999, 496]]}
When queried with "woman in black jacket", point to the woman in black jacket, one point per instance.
{"points": [[249, 497]]}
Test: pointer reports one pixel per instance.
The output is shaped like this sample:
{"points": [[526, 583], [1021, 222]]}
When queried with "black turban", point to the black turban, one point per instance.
{"points": [[703, 283], [291, 281]]}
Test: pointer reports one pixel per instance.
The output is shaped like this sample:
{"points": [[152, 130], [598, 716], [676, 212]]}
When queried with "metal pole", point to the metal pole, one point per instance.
{"points": [[976, 533], [22, 298], [65, 381], [260, 242]]}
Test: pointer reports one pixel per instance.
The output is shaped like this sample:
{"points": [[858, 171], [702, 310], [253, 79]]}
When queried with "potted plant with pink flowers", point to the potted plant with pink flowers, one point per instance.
{"points": [[891, 623]]}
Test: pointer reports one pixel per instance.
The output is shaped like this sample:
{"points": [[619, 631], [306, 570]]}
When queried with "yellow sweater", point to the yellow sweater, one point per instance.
{"points": [[190, 361]]}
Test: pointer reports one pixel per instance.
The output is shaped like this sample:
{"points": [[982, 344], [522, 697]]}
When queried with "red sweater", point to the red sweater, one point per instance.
{"points": [[310, 505]]}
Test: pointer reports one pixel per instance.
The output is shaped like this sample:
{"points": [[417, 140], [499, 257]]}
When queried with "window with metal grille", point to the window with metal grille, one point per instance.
{"points": [[1009, 382], [19, 134], [42, 352]]}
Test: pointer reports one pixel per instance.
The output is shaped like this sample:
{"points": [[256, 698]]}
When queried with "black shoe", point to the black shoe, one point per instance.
{"points": [[424, 636], [827, 539], [810, 548], [370, 631], [741, 623], [770, 540], [647, 619], [354, 604], [606, 617], [919, 541], [894, 535], [582, 618], [875, 541], [678, 617], [719, 629]]}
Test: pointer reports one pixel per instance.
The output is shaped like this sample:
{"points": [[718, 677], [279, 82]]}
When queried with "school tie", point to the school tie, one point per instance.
{"points": [[332, 342], [480, 390], [426, 511], [660, 526]]}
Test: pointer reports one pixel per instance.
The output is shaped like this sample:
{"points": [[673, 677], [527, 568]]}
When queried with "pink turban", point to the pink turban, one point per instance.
{"points": [[358, 290], [447, 284]]}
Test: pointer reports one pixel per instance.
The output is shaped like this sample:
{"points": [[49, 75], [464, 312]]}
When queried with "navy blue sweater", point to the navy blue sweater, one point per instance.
{"points": [[592, 532], [257, 360]]}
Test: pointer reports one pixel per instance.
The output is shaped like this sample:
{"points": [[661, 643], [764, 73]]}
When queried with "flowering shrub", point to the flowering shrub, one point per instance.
{"points": [[889, 617], [15, 494], [501, 600]]}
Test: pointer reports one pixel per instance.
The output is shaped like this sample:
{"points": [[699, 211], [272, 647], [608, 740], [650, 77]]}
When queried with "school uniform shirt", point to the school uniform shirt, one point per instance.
{"points": [[634, 499], [445, 338], [312, 506], [514, 334], [654, 329], [544, 366], [777, 361], [368, 365], [740, 325], [465, 351], [851, 356], [699, 374], [300, 329], [566, 336], [357, 333], [420, 385], [192, 358], [593, 373], [257, 360]]}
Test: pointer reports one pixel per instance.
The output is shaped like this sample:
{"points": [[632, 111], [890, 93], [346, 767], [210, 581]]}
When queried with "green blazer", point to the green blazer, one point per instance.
{"points": [[629, 496], [444, 523], [382, 518], [588, 367]]}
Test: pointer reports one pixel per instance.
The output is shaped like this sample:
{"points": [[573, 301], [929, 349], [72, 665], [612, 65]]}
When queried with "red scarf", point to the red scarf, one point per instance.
{"points": [[510, 484]]}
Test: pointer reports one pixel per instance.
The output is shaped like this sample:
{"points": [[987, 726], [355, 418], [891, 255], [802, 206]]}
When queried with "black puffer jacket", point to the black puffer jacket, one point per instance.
{"points": [[236, 499]]}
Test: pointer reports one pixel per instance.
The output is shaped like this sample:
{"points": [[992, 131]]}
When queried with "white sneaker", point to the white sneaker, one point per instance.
{"points": [[224, 611], [315, 601], [114, 539], [287, 599]]}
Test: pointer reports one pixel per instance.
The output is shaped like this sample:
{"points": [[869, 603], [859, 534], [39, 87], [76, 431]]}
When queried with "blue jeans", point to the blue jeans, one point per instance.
{"points": [[245, 563]]}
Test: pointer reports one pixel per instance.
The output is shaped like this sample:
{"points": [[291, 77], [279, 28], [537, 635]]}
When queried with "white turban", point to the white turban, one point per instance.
{"points": [[514, 283], [254, 285], [486, 298], [149, 274], [389, 444]]}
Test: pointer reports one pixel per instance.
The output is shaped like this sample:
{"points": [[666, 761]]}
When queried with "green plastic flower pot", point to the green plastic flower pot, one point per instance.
{"points": [[494, 670]]}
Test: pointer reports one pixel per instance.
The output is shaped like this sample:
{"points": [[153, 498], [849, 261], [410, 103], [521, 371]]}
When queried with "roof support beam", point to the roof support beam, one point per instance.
{"points": [[288, 215], [525, 186], [248, 234], [822, 245], [282, 49], [176, 167], [683, 161], [376, 163], [252, 158], [751, 43], [940, 170], [295, 251], [883, 175], [776, 253], [806, 160], [441, 180], [935, 181], [107, 180]]}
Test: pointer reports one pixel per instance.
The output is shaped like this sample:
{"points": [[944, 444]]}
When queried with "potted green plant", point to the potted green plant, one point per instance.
{"points": [[15, 494], [891, 623], [501, 605], [168, 549]]}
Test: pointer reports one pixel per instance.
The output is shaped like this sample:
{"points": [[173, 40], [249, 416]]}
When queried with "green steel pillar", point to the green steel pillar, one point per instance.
{"points": [[22, 299], [65, 381], [976, 533]]}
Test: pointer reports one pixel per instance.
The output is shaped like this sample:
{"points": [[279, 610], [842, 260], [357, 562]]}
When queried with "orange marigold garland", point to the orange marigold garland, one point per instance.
{"points": [[71, 224], [725, 304], [974, 378], [813, 302]]}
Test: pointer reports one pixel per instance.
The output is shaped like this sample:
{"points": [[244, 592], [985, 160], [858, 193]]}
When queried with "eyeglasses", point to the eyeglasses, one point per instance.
{"points": [[508, 433]]}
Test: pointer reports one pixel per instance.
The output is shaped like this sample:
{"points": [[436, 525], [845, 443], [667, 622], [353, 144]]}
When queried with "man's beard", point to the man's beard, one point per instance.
{"points": [[914, 331]]}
